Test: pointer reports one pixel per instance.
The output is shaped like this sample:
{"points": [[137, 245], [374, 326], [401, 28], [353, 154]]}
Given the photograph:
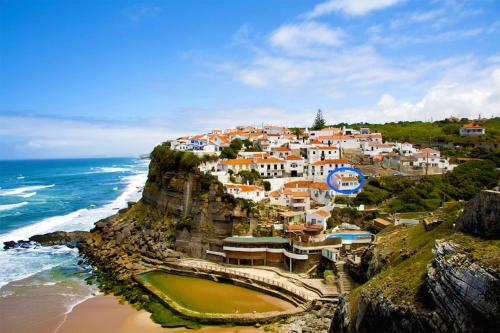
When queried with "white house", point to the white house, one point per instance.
{"points": [[342, 141], [345, 181], [432, 158], [317, 216], [322, 152], [405, 148], [320, 169], [294, 166], [270, 167], [324, 132], [280, 152], [236, 165], [251, 192], [270, 129], [373, 148], [472, 129], [295, 199]]}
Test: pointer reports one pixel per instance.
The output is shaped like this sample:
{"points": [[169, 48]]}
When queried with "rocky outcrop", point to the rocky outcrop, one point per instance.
{"points": [[460, 291], [70, 239], [182, 212], [465, 294], [372, 262], [481, 216]]}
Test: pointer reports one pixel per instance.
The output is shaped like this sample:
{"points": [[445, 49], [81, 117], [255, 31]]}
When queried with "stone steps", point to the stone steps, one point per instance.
{"points": [[346, 283]]}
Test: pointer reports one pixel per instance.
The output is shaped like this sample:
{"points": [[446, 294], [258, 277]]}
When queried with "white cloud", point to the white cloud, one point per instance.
{"points": [[351, 7], [44, 137], [303, 37], [478, 94]]}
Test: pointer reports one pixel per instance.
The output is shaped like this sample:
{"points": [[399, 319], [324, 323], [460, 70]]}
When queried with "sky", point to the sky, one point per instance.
{"points": [[86, 78]]}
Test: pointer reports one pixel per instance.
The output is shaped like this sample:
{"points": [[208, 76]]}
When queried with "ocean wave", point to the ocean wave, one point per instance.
{"points": [[23, 189], [21, 263], [111, 169], [27, 195], [12, 206], [82, 219], [18, 264]]}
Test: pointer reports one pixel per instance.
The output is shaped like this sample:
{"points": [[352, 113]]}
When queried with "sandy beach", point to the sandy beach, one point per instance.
{"points": [[104, 314]]}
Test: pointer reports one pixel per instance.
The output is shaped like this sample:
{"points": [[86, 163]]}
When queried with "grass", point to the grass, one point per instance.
{"points": [[409, 251], [429, 133], [485, 252]]}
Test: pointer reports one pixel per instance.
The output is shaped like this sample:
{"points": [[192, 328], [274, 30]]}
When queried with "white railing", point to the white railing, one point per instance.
{"points": [[265, 249]]}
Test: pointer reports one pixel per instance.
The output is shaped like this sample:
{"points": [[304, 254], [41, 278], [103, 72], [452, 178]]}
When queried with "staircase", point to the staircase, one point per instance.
{"points": [[346, 283]]}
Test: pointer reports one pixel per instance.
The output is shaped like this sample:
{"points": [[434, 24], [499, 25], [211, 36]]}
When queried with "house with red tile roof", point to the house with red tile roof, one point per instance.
{"points": [[317, 217], [250, 192], [472, 129]]}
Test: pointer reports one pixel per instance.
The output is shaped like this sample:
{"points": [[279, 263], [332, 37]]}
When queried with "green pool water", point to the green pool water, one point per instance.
{"points": [[213, 297]]}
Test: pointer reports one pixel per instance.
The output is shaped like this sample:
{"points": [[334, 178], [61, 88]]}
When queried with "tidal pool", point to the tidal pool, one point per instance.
{"points": [[213, 297]]}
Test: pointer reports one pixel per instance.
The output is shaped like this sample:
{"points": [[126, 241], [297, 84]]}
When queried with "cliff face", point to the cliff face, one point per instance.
{"points": [[482, 215], [182, 210], [459, 287], [465, 294]]}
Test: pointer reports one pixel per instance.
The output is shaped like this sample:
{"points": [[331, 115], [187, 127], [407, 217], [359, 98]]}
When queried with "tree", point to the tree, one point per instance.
{"points": [[229, 153], [319, 122], [297, 132]]}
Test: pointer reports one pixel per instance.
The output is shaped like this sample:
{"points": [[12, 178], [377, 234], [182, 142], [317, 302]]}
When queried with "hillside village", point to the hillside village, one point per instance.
{"points": [[289, 168]]}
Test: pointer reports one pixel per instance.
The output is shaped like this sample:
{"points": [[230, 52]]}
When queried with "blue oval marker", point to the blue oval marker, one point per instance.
{"points": [[361, 180]]}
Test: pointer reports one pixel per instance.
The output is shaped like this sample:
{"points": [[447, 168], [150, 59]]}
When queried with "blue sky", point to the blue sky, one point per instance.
{"points": [[113, 78]]}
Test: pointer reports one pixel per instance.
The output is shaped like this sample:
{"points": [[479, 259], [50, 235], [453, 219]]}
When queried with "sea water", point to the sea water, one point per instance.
{"points": [[42, 196]]}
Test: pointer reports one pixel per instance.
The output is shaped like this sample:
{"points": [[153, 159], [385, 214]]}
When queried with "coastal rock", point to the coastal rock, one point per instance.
{"points": [[481, 216], [70, 239], [465, 294]]}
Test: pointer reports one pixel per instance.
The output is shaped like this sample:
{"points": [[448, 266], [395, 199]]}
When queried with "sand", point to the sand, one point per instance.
{"points": [[104, 314]]}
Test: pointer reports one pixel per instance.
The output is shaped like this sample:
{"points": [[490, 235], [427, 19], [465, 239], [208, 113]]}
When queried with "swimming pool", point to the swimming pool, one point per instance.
{"points": [[349, 236]]}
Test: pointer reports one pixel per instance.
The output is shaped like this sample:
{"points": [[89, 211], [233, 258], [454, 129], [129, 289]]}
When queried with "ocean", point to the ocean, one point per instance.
{"points": [[41, 196]]}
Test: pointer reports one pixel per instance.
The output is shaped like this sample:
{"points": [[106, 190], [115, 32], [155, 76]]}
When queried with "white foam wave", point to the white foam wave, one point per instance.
{"points": [[27, 195], [37, 259], [12, 206], [19, 264], [111, 169], [82, 219], [23, 189]]}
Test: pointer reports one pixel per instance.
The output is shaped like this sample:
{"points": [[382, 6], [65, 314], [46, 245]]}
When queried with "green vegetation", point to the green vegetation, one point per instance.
{"points": [[400, 194], [249, 176], [408, 251], [267, 185], [170, 160], [429, 132], [319, 121], [327, 273]]}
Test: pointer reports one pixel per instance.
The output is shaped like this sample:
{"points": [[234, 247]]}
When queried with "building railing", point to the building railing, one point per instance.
{"points": [[266, 249]]}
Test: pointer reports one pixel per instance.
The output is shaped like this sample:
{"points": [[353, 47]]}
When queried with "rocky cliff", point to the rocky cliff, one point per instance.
{"points": [[428, 281], [482, 215], [182, 211]]}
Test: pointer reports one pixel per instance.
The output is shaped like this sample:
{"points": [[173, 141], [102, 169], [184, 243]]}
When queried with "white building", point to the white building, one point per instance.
{"points": [[317, 216], [472, 129], [320, 169], [294, 166], [236, 165], [250, 192], [270, 167], [373, 148], [341, 141], [321, 152]]}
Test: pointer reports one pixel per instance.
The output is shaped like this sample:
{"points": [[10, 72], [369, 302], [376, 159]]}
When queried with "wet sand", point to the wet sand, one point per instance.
{"points": [[104, 314]]}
